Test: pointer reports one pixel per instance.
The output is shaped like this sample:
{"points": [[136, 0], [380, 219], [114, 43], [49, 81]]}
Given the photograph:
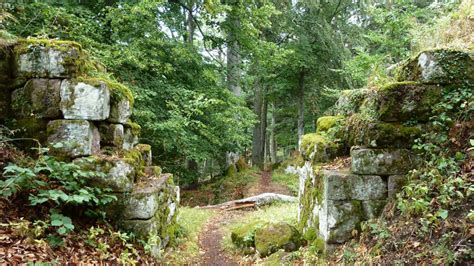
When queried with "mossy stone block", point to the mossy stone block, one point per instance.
{"points": [[339, 218], [343, 185], [80, 100], [41, 58], [72, 138], [119, 174], [39, 98], [407, 101], [31, 127], [383, 135], [275, 236], [439, 66], [131, 134], [382, 161], [318, 148], [111, 134]]}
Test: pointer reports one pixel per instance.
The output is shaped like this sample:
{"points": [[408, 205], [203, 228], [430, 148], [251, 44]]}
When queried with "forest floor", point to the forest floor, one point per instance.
{"points": [[212, 248]]}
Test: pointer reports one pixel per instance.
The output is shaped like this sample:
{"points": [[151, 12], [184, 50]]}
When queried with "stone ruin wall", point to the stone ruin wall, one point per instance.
{"points": [[377, 128], [46, 95]]}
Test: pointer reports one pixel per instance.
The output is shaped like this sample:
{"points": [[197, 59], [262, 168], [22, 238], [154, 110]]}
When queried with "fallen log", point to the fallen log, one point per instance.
{"points": [[254, 201]]}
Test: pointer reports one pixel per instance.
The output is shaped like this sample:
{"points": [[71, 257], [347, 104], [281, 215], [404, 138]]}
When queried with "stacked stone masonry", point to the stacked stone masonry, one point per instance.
{"points": [[45, 94], [377, 129]]}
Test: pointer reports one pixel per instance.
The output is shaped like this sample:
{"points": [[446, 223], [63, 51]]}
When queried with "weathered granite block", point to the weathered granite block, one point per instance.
{"points": [[383, 135], [119, 173], [120, 110], [130, 137], [439, 66], [39, 98], [342, 185], [338, 219], [111, 134], [382, 161], [48, 59], [72, 138], [317, 148], [84, 101]]}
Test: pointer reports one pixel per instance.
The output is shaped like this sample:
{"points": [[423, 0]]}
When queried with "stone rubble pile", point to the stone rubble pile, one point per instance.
{"points": [[46, 96], [377, 128]]}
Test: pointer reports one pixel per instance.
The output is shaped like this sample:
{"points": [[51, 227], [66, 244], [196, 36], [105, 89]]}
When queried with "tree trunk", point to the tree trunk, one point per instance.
{"points": [[273, 143], [258, 143], [233, 57], [190, 27], [300, 103]]}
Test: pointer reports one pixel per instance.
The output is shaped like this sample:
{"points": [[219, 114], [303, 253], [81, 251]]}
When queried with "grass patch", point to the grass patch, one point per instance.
{"points": [[290, 181], [191, 221]]}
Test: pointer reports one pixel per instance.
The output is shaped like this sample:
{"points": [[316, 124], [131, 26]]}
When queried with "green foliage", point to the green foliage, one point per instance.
{"points": [[54, 184]]}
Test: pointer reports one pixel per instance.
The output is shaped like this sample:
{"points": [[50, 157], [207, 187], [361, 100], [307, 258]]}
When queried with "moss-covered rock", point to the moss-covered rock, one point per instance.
{"points": [[407, 101], [131, 134], [380, 134], [318, 148], [243, 237], [43, 58], [382, 161], [6, 68], [111, 134], [81, 100], [153, 171], [310, 197], [145, 151], [343, 185], [324, 123], [72, 138], [121, 98], [39, 98], [439, 66], [119, 175], [339, 218], [349, 102], [274, 236]]}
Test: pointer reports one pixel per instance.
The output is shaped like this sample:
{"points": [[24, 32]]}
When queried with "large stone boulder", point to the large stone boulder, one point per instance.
{"points": [[39, 98], [72, 138], [81, 100], [120, 110], [407, 101], [439, 66], [38, 58], [343, 185], [382, 161], [274, 236]]}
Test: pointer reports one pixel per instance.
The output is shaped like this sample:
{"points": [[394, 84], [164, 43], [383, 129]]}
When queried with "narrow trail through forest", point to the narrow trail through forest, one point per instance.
{"points": [[210, 239]]}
